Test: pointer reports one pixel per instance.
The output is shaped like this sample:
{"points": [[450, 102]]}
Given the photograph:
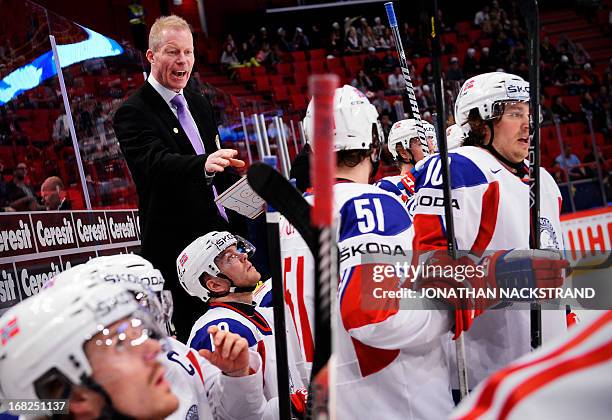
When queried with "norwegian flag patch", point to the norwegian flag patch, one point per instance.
{"points": [[10, 330], [183, 259]]}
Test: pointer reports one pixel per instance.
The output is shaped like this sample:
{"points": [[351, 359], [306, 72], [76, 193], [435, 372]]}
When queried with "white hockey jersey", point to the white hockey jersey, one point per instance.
{"points": [[246, 321], [389, 362], [491, 212], [567, 379], [399, 185], [297, 266], [205, 393], [262, 297]]}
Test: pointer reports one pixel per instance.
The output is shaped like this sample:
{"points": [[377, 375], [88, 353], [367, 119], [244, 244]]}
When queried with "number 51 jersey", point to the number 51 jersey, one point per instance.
{"points": [[384, 358]]}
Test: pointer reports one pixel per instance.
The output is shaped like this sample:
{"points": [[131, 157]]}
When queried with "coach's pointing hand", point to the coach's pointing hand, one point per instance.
{"points": [[222, 158]]}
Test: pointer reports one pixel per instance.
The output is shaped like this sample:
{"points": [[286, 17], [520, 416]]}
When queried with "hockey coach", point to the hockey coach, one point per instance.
{"points": [[168, 134]]}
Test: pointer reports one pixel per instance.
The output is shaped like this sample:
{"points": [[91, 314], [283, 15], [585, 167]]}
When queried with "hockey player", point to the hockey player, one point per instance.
{"points": [[91, 343], [200, 386], [405, 147], [491, 210], [216, 268], [389, 363], [430, 135], [568, 378]]}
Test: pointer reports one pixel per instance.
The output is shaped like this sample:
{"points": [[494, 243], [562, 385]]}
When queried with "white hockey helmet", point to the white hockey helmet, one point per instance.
{"points": [[454, 136], [199, 258], [401, 133], [430, 132], [355, 121], [133, 273], [486, 92], [43, 337]]}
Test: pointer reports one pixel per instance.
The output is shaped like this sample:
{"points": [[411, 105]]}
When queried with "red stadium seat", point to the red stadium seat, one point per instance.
{"points": [[300, 67], [317, 67], [298, 55], [317, 54], [573, 103], [259, 71], [284, 69], [262, 83], [334, 63], [280, 93]]}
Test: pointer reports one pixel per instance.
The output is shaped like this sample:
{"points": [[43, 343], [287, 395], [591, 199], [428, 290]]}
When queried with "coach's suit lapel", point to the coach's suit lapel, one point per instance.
{"points": [[175, 131]]}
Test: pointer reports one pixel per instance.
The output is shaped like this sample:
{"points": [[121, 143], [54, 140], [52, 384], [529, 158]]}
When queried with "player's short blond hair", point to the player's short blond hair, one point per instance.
{"points": [[163, 23]]}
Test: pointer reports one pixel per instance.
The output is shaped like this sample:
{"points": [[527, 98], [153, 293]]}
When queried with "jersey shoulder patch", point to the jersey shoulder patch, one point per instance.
{"points": [[373, 212]]}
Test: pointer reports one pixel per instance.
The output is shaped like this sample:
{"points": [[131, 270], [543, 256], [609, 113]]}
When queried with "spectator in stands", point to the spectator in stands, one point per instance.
{"points": [[263, 36], [471, 67], [264, 57], [396, 82], [379, 28], [352, 45], [368, 40], [282, 41], [381, 104], [246, 55], [61, 130], [229, 59], [54, 194], [372, 63], [229, 40], [561, 72], [487, 62], [570, 164], [362, 81], [389, 62], [429, 101], [481, 16], [336, 42], [548, 52], [386, 41], [454, 72], [138, 25], [168, 135], [591, 79], [20, 194], [559, 108], [300, 40], [386, 123], [316, 37], [546, 112]]}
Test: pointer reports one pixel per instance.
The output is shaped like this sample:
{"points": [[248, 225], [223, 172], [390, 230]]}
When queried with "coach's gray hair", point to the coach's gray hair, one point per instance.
{"points": [[163, 23]]}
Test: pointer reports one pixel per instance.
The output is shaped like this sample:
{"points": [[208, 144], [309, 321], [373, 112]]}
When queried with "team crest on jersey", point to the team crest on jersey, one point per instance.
{"points": [[10, 330], [548, 237], [183, 259], [192, 413]]}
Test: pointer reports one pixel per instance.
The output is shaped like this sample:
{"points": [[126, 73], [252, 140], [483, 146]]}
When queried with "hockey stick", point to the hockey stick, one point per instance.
{"points": [[414, 107], [446, 178], [280, 335], [322, 172], [532, 20], [277, 191]]}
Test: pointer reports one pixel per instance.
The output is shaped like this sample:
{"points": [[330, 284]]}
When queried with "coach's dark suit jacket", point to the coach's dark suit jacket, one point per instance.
{"points": [[176, 205]]}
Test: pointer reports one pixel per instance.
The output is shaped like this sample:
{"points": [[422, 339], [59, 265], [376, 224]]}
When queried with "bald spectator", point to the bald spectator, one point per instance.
{"points": [[54, 194]]}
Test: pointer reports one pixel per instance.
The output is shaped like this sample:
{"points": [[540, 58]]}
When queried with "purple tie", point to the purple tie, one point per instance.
{"points": [[190, 128]]}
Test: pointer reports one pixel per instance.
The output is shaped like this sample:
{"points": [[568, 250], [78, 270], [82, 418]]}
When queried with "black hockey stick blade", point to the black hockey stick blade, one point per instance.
{"points": [[271, 186]]}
